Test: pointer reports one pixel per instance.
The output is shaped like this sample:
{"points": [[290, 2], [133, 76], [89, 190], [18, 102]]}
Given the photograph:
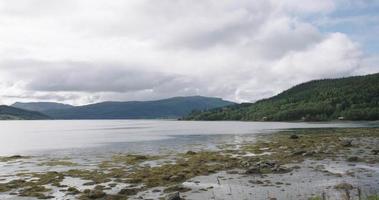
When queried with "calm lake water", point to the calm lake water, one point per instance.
{"points": [[148, 136]]}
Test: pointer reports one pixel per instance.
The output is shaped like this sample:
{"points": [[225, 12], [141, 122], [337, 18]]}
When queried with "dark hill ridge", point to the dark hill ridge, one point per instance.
{"points": [[351, 98], [166, 108], [11, 113], [41, 106]]}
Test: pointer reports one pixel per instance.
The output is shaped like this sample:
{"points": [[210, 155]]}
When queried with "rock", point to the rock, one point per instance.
{"points": [[139, 157], [177, 178], [256, 182], [112, 185], [253, 170], [166, 177], [176, 188], [266, 167], [343, 186], [282, 170], [89, 183], [95, 194], [99, 187], [283, 147], [191, 153], [232, 172], [271, 163], [15, 157], [353, 159], [173, 196], [267, 164], [347, 143], [245, 164], [299, 152], [294, 137], [128, 191], [73, 191], [10, 158], [375, 151], [309, 153]]}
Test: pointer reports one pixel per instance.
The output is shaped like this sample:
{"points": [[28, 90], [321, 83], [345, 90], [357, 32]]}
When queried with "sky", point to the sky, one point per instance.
{"points": [[87, 51]]}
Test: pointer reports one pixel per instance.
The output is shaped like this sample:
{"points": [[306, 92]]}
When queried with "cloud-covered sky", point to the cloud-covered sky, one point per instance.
{"points": [[85, 51]]}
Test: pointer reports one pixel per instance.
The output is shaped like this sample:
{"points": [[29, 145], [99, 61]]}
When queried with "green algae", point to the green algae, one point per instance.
{"points": [[34, 187], [35, 191], [316, 144], [53, 163], [13, 158], [99, 194], [189, 166], [14, 184], [96, 176], [73, 190], [315, 198], [126, 160], [176, 188], [373, 197]]}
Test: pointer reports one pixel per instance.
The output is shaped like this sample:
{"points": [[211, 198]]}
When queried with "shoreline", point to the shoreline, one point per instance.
{"points": [[253, 166]]}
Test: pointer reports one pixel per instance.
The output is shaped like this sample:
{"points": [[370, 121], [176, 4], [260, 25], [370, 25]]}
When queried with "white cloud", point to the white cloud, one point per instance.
{"points": [[335, 56], [92, 50]]}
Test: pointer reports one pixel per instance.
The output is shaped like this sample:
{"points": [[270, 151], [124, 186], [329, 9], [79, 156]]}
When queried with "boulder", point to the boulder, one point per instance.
{"points": [[299, 152], [343, 186], [173, 196], [294, 137], [73, 191], [353, 159], [191, 153], [177, 178], [375, 151], [267, 167], [128, 191], [95, 194], [282, 170], [347, 143], [253, 170]]}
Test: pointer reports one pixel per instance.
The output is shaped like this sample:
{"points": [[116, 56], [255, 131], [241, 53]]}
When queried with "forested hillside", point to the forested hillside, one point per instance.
{"points": [[11, 113], [351, 98]]}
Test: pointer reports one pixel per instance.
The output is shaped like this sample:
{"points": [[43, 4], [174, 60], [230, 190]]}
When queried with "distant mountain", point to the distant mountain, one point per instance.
{"points": [[41, 106], [351, 98], [11, 113], [160, 109]]}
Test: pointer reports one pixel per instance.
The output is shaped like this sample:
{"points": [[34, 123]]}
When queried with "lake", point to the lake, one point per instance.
{"points": [[148, 136]]}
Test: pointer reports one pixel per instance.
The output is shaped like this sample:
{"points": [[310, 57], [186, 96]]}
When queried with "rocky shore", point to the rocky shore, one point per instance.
{"points": [[293, 164]]}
